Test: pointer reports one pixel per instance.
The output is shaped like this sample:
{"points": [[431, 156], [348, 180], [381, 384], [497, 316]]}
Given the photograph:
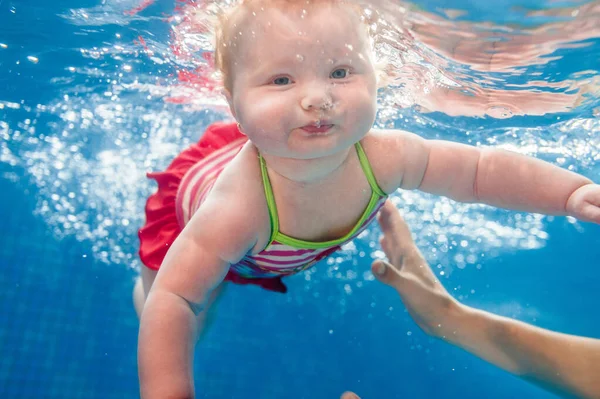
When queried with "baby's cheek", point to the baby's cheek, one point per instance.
{"points": [[364, 105], [266, 107]]}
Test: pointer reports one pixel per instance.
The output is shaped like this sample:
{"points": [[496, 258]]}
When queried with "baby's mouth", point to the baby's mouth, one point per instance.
{"points": [[318, 126], [321, 122]]}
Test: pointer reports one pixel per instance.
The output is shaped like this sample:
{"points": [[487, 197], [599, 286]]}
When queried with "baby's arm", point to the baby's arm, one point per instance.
{"points": [[196, 264], [492, 176]]}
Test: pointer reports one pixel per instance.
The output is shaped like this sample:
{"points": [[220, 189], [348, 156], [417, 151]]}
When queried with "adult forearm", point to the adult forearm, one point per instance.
{"points": [[514, 181], [564, 364], [475, 331], [166, 347]]}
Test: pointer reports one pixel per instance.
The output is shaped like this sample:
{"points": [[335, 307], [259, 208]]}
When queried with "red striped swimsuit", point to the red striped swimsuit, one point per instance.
{"points": [[283, 255]]}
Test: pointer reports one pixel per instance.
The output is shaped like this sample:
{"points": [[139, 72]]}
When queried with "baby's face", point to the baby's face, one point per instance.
{"points": [[292, 69]]}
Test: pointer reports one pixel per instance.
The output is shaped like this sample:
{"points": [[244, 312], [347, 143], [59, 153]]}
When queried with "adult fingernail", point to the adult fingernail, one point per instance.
{"points": [[379, 268]]}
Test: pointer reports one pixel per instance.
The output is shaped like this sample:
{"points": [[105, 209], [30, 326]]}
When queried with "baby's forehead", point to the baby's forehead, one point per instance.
{"points": [[323, 25]]}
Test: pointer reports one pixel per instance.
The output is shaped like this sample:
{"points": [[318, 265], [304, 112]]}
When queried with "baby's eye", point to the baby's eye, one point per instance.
{"points": [[340, 73], [281, 81]]}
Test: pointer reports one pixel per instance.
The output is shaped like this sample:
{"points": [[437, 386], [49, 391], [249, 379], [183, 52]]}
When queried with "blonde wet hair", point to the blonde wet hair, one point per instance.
{"points": [[229, 20]]}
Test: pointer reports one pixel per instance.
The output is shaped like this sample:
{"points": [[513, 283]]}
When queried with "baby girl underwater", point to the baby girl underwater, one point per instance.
{"points": [[302, 172]]}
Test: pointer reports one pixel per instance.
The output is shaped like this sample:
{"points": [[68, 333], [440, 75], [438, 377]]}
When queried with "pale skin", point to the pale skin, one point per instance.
{"points": [[291, 71], [563, 364]]}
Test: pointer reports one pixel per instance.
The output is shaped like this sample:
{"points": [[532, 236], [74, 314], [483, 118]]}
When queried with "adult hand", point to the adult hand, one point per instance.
{"points": [[427, 301], [564, 364]]}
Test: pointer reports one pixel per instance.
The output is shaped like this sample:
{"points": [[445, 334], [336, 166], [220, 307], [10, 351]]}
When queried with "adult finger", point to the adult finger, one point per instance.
{"points": [[393, 226], [386, 273]]}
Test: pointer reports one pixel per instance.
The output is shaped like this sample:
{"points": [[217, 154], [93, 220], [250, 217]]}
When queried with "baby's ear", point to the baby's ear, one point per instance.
{"points": [[227, 94]]}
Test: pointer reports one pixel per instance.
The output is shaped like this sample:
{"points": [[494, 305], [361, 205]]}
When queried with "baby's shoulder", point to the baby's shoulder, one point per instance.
{"points": [[385, 149], [387, 136], [240, 181], [237, 197]]}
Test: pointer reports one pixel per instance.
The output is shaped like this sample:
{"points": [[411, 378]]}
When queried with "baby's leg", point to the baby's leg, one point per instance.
{"points": [[144, 283]]}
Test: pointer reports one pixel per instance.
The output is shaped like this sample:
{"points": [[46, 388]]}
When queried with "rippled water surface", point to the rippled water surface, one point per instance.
{"points": [[94, 94], [132, 83]]}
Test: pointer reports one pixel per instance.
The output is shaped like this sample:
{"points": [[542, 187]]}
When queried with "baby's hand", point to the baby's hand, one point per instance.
{"points": [[584, 203]]}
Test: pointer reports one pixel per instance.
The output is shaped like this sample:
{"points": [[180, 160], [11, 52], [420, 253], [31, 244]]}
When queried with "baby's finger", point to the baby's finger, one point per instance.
{"points": [[590, 213], [349, 395]]}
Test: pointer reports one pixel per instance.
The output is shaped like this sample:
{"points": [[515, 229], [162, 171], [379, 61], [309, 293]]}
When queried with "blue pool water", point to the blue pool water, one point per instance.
{"points": [[83, 115]]}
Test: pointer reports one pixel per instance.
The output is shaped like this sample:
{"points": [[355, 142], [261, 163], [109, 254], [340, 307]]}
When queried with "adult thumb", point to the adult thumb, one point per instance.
{"points": [[349, 395]]}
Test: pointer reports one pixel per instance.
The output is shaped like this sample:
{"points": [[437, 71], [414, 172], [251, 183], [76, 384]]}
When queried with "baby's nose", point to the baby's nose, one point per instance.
{"points": [[317, 98]]}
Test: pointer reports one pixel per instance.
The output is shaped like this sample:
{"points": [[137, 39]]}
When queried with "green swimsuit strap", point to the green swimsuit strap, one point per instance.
{"points": [[376, 194], [368, 171], [270, 200]]}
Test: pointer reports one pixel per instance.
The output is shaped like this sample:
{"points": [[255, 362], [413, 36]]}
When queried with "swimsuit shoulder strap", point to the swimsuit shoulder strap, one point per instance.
{"points": [[270, 200], [367, 170]]}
